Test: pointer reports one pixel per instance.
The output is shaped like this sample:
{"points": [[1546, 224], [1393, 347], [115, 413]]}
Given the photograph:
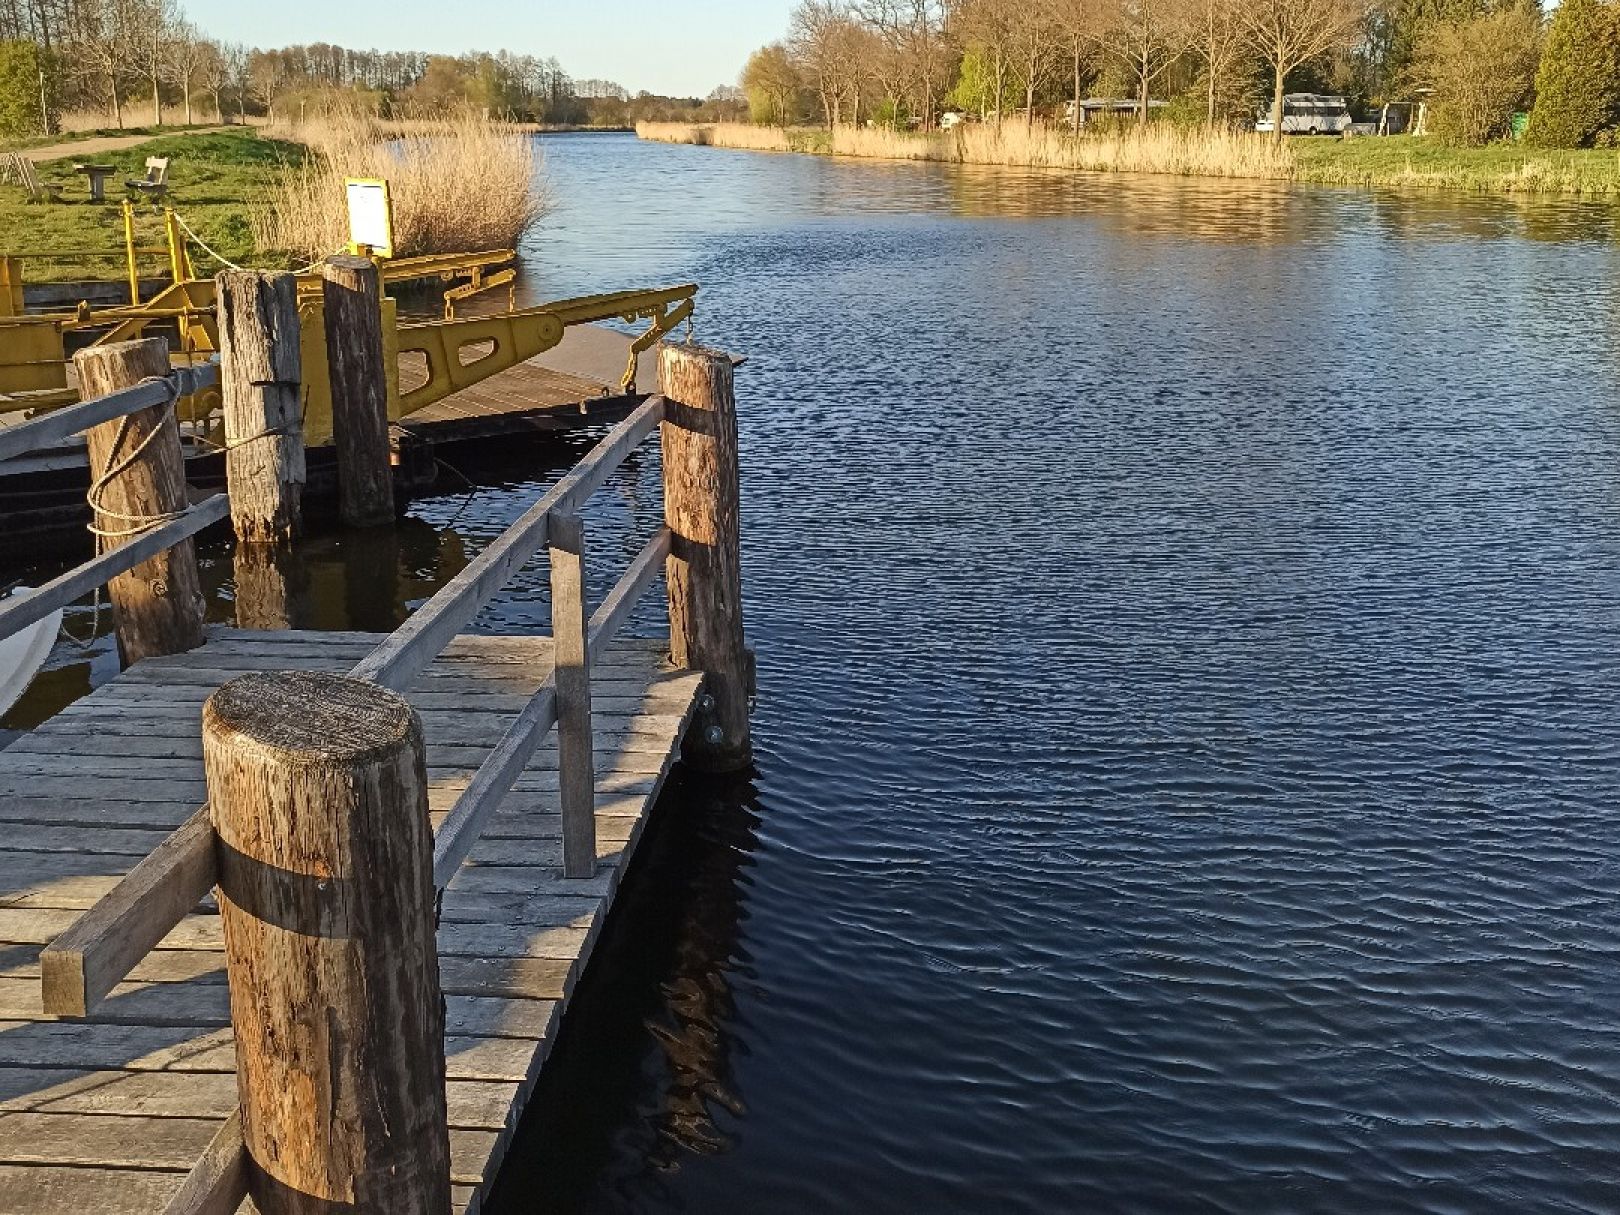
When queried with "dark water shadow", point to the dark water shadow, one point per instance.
{"points": [[645, 1053]]}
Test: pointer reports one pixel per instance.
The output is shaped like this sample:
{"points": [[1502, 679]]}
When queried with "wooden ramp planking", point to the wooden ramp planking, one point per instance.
{"points": [[528, 397], [108, 1114]]}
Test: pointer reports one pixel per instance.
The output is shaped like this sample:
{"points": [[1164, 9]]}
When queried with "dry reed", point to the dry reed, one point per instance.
{"points": [[717, 135], [458, 184], [1158, 148]]}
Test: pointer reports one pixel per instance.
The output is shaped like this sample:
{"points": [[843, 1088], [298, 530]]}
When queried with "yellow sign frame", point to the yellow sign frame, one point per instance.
{"points": [[370, 235]]}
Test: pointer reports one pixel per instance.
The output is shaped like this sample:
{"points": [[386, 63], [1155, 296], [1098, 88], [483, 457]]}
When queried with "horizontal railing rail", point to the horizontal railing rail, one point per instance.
{"points": [[53, 428], [99, 950]]}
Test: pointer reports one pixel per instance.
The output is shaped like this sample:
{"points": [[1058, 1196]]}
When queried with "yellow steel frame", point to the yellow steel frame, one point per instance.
{"points": [[446, 356]]}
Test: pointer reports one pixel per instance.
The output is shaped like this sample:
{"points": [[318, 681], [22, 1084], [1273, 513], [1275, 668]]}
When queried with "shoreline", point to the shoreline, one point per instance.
{"points": [[1397, 161]]}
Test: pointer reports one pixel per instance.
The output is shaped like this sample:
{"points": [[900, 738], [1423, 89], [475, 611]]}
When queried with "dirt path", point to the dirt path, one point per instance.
{"points": [[83, 148]]}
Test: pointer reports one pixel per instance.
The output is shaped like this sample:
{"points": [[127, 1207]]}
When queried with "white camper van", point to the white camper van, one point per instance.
{"points": [[1309, 114]]}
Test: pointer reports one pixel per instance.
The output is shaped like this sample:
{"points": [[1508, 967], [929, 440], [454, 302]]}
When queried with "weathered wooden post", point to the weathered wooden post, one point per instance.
{"points": [[352, 295], [704, 572], [576, 764], [261, 374], [318, 793], [138, 481]]}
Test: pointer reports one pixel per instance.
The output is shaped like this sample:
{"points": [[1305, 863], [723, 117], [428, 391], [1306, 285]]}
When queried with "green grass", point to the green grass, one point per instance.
{"points": [[1496, 169], [214, 181]]}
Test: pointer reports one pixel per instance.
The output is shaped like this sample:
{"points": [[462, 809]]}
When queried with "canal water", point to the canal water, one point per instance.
{"points": [[1188, 619]]}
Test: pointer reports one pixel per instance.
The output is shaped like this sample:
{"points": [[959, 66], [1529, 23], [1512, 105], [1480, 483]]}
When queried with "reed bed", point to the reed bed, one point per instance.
{"points": [[458, 184], [1155, 149]]}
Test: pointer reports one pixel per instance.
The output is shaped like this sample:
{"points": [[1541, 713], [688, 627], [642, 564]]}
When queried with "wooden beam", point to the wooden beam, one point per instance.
{"points": [[572, 673], [628, 591], [491, 783], [412, 647], [21, 611], [217, 1183], [81, 966], [62, 424]]}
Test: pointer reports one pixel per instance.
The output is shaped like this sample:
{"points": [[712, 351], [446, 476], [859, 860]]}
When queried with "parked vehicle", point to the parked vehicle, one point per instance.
{"points": [[1309, 114]]}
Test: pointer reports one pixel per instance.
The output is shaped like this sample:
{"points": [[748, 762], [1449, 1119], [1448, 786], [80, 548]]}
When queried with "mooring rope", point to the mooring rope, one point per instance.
{"points": [[206, 247]]}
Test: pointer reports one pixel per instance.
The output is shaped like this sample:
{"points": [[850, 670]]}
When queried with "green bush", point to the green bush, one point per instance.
{"points": [[20, 66], [1578, 86], [1480, 71]]}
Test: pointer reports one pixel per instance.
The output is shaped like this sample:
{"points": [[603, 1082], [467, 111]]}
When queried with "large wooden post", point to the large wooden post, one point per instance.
{"points": [[352, 295], [704, 572], [576, 764], [138, 480], [318, 793], [261, 373]]}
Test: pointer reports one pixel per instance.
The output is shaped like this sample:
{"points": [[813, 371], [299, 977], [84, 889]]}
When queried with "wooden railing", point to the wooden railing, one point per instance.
{"points": [[696, 549]]}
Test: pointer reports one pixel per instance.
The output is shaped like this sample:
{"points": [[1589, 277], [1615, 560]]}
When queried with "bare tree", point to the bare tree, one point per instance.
{"points": [[1031, 39], [1077, 25], [187, 59], [913, 32], [1147, 38], [1289, 33], [154, 22], [237, 61], [103, 34], [825, 39]]}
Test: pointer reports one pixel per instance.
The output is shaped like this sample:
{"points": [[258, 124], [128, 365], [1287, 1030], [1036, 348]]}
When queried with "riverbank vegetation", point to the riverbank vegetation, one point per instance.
{"points": [[1164, 148], [1174, 87], [457, 184], [278, 200]]}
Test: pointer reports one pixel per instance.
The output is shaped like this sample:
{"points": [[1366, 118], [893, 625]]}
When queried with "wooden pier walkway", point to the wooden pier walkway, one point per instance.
{"points": [[288, 920], [108, 1114]]}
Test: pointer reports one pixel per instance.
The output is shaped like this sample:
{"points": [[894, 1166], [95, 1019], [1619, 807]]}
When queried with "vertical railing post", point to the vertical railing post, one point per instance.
{"points": [[352, 298], [318, 795], [576, 764], [138, 480], [704, 572]]}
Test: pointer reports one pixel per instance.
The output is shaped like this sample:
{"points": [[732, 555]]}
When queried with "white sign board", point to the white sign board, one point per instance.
{"points": [[371, 216]]}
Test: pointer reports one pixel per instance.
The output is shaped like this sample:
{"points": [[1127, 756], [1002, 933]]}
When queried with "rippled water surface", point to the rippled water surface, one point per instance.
{"points": [[1189, 632], [1188, 619]]}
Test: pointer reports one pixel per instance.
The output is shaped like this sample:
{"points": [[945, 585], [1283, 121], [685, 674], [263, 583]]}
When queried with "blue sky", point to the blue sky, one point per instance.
{"points": [[684, 47]]}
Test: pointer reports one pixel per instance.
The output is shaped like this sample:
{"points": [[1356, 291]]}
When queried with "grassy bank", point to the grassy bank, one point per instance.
{"points": [[1396, 161], [215, 180], [277, 199]]}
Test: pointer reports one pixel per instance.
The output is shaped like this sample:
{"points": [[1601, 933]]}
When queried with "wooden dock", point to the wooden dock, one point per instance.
{"points": [[109, 1113], [288, 920]]}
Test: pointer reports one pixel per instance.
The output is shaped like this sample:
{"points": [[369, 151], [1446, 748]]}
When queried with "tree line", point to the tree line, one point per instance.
{"points": [[1473, 63], [131, 58]]}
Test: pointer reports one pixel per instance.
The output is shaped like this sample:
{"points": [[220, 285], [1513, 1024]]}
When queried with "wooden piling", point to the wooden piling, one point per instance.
{"points": [[704, 571], [572, 663], [138, 480], [354, 340], [318, 792], [261, 373]]}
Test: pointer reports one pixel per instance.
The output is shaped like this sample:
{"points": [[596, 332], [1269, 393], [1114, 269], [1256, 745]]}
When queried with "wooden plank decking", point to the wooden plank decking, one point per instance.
{"points": [[108, 1114]]}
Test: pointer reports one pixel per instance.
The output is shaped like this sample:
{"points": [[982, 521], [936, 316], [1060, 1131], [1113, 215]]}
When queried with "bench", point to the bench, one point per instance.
{"points": [[155, 184]]}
